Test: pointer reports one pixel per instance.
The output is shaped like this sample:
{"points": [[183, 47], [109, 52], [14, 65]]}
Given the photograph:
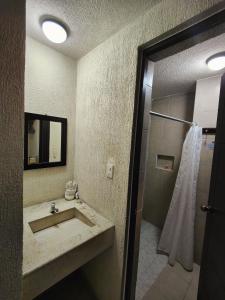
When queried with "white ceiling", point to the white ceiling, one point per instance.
{"points": [[90, 21], [178, 73]]}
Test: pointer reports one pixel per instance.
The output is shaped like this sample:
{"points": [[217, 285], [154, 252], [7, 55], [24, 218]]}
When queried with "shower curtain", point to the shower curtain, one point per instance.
{"points": [[177, 238]]}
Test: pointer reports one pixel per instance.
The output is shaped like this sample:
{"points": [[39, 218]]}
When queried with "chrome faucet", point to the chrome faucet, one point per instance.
{"points": [[53, 209]]}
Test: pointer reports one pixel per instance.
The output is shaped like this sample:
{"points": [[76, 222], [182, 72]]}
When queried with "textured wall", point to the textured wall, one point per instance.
{"points": [[90, 22], [166, 137], [178, 73], [49, 89], [12, 36], [104, 112]]}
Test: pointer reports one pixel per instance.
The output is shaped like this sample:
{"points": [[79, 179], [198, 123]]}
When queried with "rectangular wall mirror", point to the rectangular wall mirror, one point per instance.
{"points": [[45, 139]]}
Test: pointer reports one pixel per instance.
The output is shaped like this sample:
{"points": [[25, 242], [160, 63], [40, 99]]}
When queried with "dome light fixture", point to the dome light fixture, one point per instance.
{"points": [[216, 62], [54, 31]]}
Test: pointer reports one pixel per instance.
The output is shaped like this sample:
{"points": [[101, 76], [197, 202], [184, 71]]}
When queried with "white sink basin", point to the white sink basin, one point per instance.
{"points": [[58, 218]]}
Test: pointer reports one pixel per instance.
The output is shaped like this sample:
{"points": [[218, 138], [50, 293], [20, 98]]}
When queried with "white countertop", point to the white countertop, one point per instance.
{"points": [[42, 247]]}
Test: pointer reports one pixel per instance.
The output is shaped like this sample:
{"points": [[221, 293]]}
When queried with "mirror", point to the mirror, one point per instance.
{"points": [[44, 141]]}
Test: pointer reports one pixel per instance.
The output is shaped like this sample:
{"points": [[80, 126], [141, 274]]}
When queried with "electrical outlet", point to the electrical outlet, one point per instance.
{"points": [[110, 170]]}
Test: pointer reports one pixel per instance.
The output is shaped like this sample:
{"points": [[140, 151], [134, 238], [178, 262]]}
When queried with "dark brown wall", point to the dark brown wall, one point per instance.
{"points": [[12, 41], [202, 196]]}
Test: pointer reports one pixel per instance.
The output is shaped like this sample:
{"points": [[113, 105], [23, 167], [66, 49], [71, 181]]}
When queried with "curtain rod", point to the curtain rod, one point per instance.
{"points": [[170, 118]]}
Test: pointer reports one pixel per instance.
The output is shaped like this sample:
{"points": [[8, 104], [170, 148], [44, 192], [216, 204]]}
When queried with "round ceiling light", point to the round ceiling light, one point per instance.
{"points": [[216, 62], [54, 31]]}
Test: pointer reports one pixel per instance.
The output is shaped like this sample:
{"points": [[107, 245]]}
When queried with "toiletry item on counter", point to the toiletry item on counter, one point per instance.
{"points": [[71, 190], [77, 195]]}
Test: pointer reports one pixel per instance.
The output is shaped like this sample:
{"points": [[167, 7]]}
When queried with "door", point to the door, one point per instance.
{"points": [[212, 275]]}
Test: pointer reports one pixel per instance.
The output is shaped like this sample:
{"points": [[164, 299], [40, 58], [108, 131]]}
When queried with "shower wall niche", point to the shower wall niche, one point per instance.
{"points": [[165, 162], [164, 148]]}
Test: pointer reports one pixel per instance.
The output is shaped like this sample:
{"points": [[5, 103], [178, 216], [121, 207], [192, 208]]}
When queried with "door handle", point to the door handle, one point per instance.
{"points": [[207, 209], [211, 210]]}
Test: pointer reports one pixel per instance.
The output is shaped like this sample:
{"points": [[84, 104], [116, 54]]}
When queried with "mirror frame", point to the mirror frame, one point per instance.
{"points": [[63, 121]]}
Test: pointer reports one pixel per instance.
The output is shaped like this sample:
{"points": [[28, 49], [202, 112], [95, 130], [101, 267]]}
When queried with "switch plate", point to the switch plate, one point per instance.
{"points": [[110, 170]]}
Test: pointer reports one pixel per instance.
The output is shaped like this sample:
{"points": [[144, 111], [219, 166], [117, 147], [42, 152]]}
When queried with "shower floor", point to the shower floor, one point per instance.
{"points": [[158, 281]]}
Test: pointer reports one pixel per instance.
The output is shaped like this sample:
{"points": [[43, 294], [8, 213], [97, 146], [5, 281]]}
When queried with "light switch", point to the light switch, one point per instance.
{"points": [[110, 170]]}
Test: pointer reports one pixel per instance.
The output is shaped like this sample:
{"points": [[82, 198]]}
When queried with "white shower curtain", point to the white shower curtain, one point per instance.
{"points": [[177, 238]]}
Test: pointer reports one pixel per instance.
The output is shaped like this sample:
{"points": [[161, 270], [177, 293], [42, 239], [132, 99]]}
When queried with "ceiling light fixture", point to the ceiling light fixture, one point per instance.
{"points": [[216, 62], [54, 31]]}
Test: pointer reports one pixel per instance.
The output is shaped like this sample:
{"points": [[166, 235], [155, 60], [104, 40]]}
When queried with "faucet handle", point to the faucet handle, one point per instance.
{"points": [[53, 209]]}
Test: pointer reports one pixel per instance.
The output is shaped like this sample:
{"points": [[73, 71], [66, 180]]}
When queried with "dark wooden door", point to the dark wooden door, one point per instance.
{"points": [[212, 274]]}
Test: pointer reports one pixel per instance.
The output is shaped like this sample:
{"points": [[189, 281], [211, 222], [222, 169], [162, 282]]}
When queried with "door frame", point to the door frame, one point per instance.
{"points": [[186, 35]]}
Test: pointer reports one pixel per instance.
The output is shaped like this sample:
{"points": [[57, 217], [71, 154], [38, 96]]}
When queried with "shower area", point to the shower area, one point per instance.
{"points": [[179, 152], [166, 138]]}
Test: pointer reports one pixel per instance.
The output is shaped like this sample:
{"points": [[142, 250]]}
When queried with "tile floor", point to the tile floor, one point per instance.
{"points": [[150, 263], [174, 283], [157, 280]]}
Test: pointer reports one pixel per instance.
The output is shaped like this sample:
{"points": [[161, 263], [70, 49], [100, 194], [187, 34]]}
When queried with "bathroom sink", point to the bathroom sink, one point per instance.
{"points": [[58, 218], [58, 239]]}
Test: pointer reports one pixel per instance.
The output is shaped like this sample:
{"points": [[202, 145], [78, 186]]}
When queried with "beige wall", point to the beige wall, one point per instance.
{"points": [[104, 114], [166, 137], [50, 81], [12, 24], [206, 101]]}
